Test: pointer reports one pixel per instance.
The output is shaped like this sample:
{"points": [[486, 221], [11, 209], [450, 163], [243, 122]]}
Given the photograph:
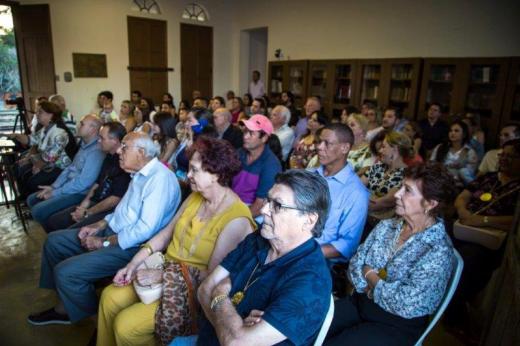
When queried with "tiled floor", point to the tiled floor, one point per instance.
{"points": [[20, 295]]}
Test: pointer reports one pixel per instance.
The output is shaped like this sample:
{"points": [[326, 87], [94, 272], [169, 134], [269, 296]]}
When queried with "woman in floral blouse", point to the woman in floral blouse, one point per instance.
{"points": [[307, 148], [384, 178], [401, 271], [359, 156], [48, 154]]}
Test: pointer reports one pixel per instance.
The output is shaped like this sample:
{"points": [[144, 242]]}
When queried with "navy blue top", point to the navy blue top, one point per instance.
{"points": [[293, 291]]}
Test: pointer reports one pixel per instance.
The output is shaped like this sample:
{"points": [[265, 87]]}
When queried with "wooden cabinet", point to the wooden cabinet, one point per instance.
{"points": [[511, 110], [288, 76], [371, 82], [344, 74]]}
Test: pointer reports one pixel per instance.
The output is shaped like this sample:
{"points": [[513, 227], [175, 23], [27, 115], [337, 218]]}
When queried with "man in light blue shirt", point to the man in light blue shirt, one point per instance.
{"points": [[75, 180], [348, 212], [73, 260]]}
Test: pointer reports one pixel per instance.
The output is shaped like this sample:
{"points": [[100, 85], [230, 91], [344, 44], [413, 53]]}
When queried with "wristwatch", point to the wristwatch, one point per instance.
{"points": [[106, 242]]}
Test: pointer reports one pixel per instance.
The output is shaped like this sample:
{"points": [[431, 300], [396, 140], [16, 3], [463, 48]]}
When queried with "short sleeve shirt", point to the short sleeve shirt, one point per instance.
{"points": [[256, 179], [112, 179], [279, 288]]}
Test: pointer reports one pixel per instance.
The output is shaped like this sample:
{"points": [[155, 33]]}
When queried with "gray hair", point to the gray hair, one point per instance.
{"points": [[285, 112], [145, 142], [311, 194], [225, 112]]}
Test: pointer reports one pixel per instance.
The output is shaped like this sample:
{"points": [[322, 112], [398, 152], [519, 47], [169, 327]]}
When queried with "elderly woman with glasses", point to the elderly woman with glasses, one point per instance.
{"points": [[401, 271], [275, 287]]}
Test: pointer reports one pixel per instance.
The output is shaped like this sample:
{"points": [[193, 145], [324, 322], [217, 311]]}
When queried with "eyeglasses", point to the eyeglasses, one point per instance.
{"points": [[125, 146], [276, 206]]}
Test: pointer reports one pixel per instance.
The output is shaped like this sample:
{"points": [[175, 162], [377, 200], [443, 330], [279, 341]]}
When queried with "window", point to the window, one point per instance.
{"points": [[194, 11], [147, 6]]}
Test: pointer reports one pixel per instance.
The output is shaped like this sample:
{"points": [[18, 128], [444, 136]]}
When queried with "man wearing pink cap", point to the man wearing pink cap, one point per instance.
{"points": [[259, 164]]}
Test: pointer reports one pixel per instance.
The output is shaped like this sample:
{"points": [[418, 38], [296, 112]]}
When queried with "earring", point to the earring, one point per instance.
{"points": [[426, 211]]}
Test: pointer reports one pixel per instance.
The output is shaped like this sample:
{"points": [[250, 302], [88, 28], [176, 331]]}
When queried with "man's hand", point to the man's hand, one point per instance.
{"points": [[92, 243], [45, 192], [222, 288], [255, 316], [78, 214], [148, 277], [87, 231]]}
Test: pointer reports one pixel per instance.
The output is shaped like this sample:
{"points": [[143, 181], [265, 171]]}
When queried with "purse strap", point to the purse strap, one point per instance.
{"points": [[496, 200], [191, 297]]}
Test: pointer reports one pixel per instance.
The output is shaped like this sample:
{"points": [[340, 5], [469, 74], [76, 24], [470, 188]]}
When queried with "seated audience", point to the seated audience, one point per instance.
{"points": [[217, 102], [200, 102], [165, 135], [66, 115], [490, 161], [167, 107], [457, 155], [52, 148], [110, 186], [74, 259], [349, 198], [275, 287], [288, 101], [209, 224], [434, 130], [312, 105], [107, 112], [259, 164], [237, 110], [477, 137], [374, 122], [135, 97], [307, 148], [142, 121], [167, 98], [359, 155], [258, 106], [195, 94], [73, 183], [247, 100], [226, 130], [180, 128], [414, 132], [346, 112], [401, 272], [393, 120], [384, 178], [126, 115], [184, 104], [147, 107], [276, 147], [280, 117], [487, 202], [230, 95]]}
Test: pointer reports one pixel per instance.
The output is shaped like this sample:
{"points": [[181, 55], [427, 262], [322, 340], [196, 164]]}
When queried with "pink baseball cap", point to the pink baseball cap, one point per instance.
{"points": [[259, 122]]}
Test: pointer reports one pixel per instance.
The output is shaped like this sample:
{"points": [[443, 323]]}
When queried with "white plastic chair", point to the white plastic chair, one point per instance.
{"points": [[192, 340], [452, 286], [326, 324]]}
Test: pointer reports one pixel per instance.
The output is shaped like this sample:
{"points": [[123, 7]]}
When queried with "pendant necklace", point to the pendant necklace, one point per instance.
{"points": [[239, 296]]}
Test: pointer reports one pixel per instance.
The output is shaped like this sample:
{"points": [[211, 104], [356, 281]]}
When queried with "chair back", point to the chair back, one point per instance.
{"points": [[450, 291], [326, 324]]}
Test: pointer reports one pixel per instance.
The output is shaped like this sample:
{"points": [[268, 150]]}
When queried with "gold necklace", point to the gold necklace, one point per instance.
{"points": [[239, 296]]}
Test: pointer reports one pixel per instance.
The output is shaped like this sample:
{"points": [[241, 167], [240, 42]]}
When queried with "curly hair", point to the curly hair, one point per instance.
{"points": [[217, 156], [435, 183]]}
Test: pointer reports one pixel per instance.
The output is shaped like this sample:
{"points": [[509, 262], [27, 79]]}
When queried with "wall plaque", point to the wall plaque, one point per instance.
{"points": [[89, 65]]}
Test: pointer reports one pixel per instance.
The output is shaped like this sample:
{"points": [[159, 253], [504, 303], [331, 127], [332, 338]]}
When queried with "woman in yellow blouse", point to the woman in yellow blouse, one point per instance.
{"points": [[208, 225]]}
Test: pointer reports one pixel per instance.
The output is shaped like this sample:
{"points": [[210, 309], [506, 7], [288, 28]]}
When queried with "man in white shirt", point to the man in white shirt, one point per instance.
{"points": [[489, 162], [280, 117], [256, 87]]}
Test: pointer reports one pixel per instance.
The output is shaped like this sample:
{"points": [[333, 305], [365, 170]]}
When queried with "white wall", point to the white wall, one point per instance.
{"points": [[100, 26], [306, 29]]}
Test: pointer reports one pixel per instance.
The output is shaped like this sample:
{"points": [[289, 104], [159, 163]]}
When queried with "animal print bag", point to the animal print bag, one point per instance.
{"points": [[178, 309]]}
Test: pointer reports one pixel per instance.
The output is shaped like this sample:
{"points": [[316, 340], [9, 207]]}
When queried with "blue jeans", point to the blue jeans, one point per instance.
{"points": [[72, 270], [42, 209]]}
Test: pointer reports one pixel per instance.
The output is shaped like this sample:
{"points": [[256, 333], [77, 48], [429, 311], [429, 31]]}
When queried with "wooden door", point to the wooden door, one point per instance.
{"points": [[148, 57], [32, 25], [196, 60]]}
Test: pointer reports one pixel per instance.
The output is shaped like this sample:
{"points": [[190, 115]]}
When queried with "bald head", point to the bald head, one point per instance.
{"points": [[221, 118], [89, 127]]}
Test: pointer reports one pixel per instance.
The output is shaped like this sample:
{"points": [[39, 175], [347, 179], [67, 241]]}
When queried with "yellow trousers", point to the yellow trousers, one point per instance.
{"points": [[123, 319]]}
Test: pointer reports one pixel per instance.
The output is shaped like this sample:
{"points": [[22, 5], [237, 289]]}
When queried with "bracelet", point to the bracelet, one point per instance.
{"points": [[148, 247], [216, 301], [368, 272]]}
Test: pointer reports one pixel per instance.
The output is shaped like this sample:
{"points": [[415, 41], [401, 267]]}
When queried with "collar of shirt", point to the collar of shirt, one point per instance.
{"points": [[147, 168], [221, 134], [300, 251], [343, 176], [431, 235]]}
